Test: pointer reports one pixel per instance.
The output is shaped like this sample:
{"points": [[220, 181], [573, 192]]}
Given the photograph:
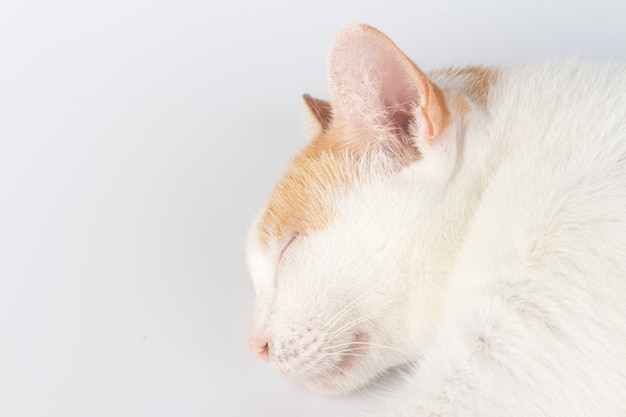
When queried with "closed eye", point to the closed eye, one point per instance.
{"points": [[289, 242]]}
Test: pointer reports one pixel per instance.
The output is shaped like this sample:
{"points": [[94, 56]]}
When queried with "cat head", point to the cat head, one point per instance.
{"points": [[347, 256]]}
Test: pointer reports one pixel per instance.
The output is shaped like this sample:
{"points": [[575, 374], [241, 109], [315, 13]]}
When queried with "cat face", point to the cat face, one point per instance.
{"points": [[342, 256], [329, 306]]}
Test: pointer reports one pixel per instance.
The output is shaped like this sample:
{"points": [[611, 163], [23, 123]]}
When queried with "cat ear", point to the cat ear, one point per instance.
{"points": [[321, 111], [377, 91]]}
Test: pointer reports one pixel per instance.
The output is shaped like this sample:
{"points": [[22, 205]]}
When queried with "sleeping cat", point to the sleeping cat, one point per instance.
{"points": [[469, 222]]}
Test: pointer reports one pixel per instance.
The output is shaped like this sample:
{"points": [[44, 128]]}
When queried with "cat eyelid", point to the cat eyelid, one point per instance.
{"points": [[286, 245]]}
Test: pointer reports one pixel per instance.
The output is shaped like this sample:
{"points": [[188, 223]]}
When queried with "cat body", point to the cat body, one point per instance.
{"points": [[469, 222]]}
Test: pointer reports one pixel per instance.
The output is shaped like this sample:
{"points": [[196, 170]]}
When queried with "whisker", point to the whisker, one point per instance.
{"points": [[350, 306], [357, 321], [338, 345], [359, 345], [340, 354], [360, 319], [342, 313]]}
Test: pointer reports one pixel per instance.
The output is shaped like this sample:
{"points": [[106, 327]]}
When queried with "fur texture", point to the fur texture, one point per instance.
{"points": [[472, 223]]}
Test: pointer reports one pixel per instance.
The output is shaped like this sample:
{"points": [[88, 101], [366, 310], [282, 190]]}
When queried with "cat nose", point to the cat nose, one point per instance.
{"points": [[260, 348]]}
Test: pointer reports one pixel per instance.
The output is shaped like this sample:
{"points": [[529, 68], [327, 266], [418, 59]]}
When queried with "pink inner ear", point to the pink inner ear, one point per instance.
{"points": [[374, 84], [400, 94]]}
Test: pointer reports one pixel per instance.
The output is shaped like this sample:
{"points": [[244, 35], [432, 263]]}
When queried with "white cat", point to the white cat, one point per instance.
{"points": [[471, 222]]}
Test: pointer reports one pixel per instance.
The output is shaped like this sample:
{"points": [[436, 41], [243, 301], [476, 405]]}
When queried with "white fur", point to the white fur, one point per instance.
{"points": [[496, 263]]}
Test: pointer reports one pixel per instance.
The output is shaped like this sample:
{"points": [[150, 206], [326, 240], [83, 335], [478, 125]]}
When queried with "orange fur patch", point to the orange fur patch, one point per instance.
{"points": [[299, 203], [438, 114], [461, 104]]}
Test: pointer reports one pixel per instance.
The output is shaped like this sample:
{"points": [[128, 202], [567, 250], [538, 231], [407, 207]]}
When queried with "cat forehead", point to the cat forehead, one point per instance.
{"points": [[302, 201]]}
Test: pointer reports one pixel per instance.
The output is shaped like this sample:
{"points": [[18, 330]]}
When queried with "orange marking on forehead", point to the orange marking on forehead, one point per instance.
{"points": [[301, 202]]}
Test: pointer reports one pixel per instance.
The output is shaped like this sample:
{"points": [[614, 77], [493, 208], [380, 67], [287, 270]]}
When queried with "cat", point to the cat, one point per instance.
{"points": [[468, 222]]}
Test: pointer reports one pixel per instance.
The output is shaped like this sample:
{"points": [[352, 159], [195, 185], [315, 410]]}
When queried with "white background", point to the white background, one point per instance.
{"points": [[137, 139]]}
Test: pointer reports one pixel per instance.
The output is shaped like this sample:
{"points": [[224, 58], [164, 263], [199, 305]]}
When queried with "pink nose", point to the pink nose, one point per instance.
{"points": [[260, 348]]}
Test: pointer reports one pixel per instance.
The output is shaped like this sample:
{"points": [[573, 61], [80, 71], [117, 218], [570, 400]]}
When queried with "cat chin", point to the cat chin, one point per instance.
{"points": [[347, 379], [329, 385]]}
